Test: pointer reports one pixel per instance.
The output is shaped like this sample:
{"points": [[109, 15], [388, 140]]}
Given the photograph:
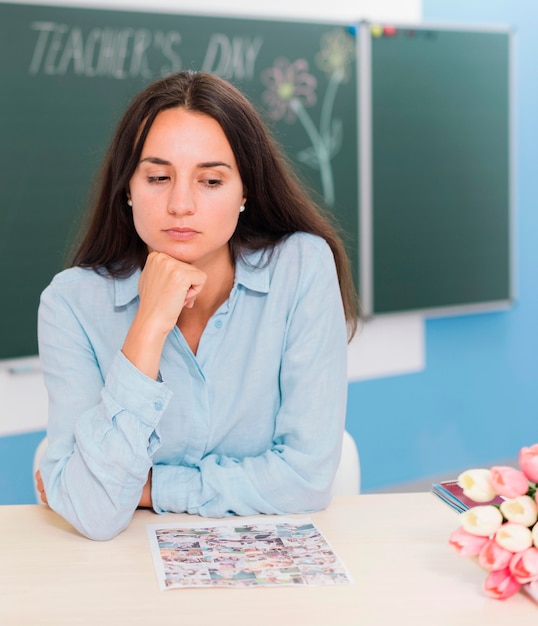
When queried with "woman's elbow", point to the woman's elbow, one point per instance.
{"points": [[101, 532], [96, 524]]}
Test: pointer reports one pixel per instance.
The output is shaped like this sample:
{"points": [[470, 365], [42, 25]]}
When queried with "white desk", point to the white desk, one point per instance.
{"points": [[395, 547]]}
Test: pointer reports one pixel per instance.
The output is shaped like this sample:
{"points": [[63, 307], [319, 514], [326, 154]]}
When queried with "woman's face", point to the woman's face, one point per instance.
{"points": [[186, 190]]}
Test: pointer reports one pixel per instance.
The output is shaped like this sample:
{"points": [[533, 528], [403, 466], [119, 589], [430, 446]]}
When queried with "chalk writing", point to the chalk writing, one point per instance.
{"points": [[102, 52], [232, 58], [130, 53]]}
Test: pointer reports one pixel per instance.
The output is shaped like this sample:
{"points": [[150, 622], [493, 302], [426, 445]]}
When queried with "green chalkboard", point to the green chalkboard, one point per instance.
{"points": [[441, 184], [404, 132], [66, 76]]}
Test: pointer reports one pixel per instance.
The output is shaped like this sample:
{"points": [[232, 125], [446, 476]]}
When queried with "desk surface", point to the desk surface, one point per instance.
{"points": [[394, 546]]}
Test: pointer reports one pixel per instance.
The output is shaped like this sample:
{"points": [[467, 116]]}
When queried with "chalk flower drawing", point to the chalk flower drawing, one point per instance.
{"points": [[288, 82], [291, 89], [336, 54]]}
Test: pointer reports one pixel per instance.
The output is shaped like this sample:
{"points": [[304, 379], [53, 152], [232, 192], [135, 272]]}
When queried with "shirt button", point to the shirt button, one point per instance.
{"points": [[218, 323], [158, 405]]}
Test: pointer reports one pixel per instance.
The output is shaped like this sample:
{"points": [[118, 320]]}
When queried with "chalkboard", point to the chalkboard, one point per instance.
{"points": [[68, 73], [403, 132], [441, 197]]}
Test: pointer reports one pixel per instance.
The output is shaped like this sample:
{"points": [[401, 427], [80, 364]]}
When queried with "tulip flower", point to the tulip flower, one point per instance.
{"points": [[524, 565], [528, 461], [502, 533], [514, 537], [483, 521], [476, 484], [500, 584], [493, 557], [522, 510], [508, 481], [466, 544]]}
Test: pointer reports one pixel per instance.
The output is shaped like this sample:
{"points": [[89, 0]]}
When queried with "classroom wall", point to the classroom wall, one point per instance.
{"points": [[426, 397]]}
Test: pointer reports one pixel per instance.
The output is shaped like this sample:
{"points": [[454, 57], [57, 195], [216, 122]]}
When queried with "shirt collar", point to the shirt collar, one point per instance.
{"points": [[253, 272], [126, 289]]}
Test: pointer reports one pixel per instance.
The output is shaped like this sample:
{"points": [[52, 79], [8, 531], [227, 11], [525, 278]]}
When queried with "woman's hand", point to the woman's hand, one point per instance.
{"points": [[165, 287], [145, 499], [40, 487]]}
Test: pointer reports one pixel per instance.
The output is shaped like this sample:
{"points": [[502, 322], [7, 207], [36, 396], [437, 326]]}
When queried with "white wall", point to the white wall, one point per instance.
{"points": [[336, 10], [24, 397], [387, 346]]}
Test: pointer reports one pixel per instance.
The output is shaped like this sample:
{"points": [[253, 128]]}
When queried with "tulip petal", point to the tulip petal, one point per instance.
{"points": [[524, 566], [522, 510], [476, 485], [528, 462], [493, 557], [500, 584], [508, 481], [482, 520], [514, 537], [466, 544]]}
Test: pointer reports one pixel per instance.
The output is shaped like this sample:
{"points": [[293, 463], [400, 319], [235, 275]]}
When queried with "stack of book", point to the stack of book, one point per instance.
{"points": [[452, 494]]}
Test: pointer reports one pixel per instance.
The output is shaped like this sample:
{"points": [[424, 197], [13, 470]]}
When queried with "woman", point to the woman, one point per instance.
{"points": [[195, 353]]}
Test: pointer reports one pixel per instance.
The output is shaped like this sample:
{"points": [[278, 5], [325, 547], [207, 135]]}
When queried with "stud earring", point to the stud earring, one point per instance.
{"points": [[241, 208], [129, 202]]}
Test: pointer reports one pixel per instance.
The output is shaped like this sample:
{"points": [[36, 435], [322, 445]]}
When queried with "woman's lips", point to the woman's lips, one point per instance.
{"points": [[181, 234]]}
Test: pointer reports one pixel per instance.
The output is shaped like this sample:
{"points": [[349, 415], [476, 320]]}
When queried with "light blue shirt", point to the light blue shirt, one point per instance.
{"points": [[251, 424]]}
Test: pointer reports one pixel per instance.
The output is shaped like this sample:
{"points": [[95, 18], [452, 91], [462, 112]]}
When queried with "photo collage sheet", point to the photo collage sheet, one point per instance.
{"points": [[263, 552]]}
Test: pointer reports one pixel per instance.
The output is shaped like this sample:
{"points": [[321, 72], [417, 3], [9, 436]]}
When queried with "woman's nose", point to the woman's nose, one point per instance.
{"points": [[181, 200]]}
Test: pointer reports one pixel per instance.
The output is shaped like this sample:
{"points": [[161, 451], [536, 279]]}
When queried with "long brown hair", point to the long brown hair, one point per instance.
{"points": [[278, 203]]}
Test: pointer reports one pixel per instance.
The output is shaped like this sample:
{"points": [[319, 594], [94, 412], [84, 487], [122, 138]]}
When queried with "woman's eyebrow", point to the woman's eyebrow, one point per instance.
{"points": [[214, 164], [203, 165], [155, 161]]}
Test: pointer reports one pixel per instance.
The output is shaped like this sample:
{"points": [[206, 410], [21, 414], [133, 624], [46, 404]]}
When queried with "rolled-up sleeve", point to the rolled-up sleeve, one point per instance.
{"points": [[102, 428]]}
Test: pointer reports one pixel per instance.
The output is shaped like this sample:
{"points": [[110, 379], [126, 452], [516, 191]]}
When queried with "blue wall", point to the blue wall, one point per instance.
{"points": [[476, 402], [16, 459]]}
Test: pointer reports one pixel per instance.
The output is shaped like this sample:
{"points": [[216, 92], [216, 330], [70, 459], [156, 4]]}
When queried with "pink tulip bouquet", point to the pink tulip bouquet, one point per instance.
{"points": [[504, 538]]}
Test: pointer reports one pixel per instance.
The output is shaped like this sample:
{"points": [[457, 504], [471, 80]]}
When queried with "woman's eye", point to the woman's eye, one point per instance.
{"points": [[212, 182], [158, 179]]}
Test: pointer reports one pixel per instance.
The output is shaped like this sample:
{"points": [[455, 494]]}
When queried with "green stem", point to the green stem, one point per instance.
{"points": [[320, 148], [328, 102]]}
